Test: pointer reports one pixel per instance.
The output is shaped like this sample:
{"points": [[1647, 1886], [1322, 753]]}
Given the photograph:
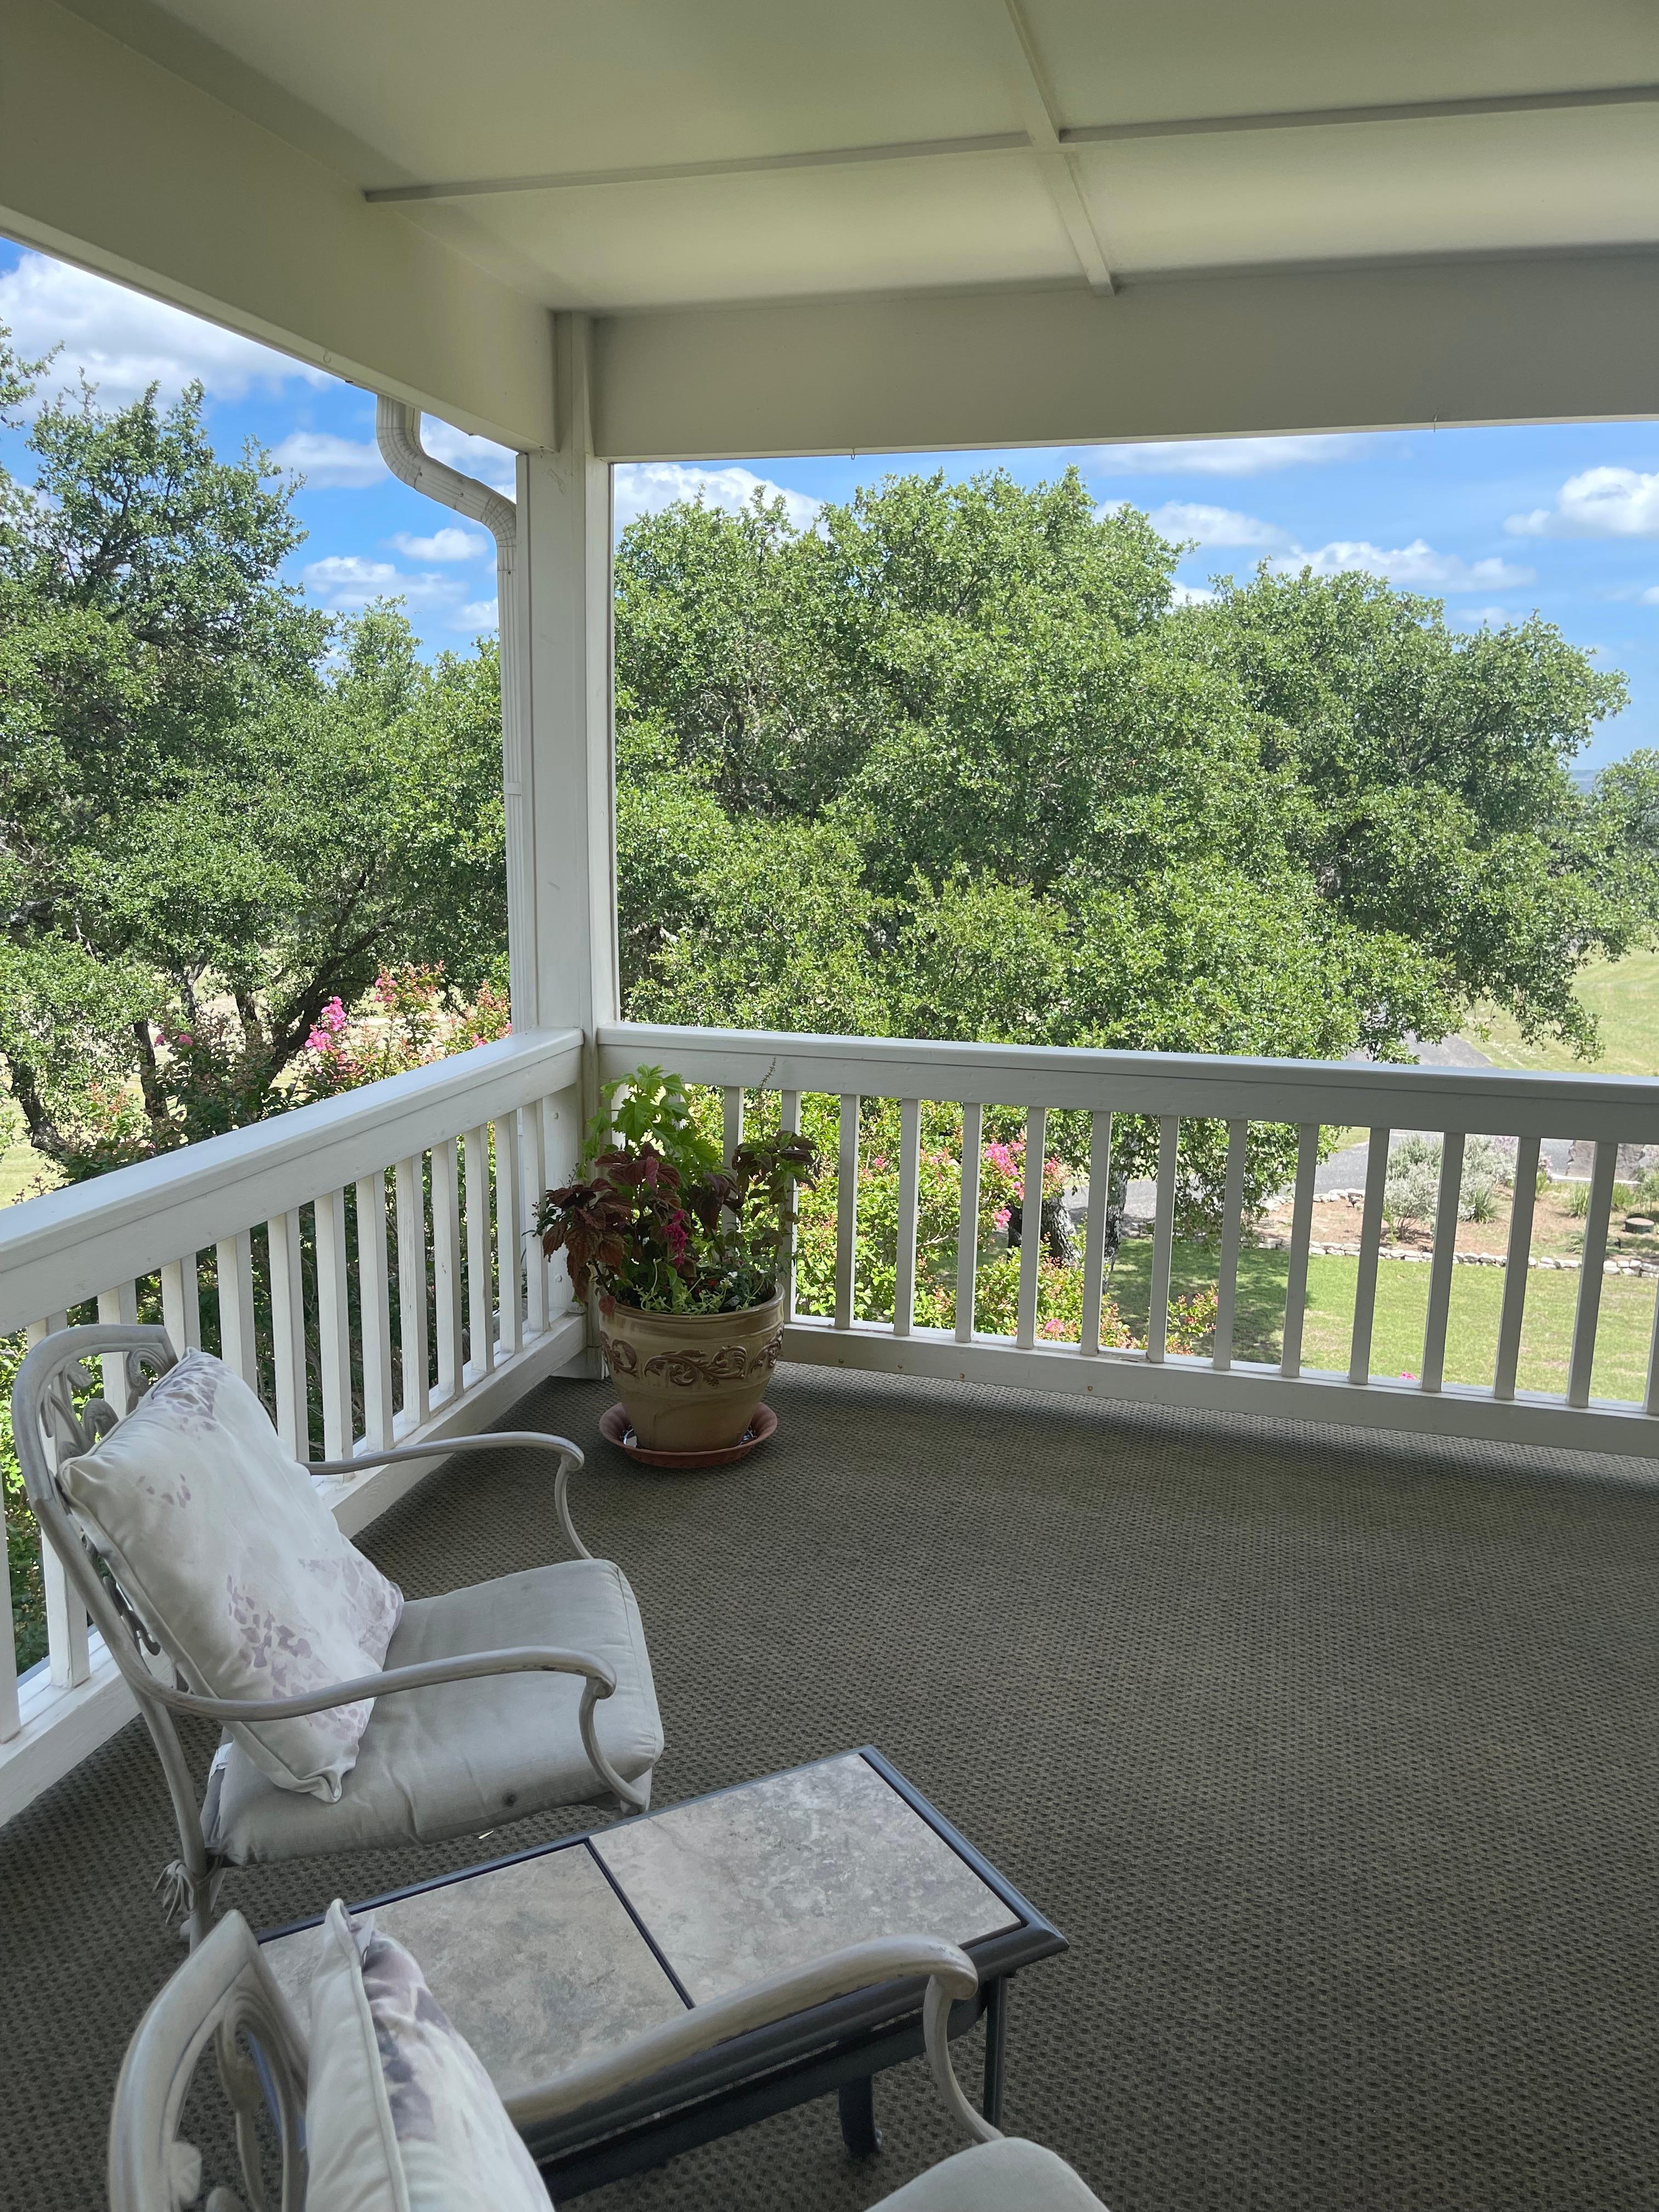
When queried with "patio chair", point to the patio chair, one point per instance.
{"points": [[490, 1703], [394, 2080]]}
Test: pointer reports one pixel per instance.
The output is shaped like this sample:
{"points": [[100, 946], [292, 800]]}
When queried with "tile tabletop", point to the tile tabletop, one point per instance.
{"points": [[537, 1962], [776, 1873]]}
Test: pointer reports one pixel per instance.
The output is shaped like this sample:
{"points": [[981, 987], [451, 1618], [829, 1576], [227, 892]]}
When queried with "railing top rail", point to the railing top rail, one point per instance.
{"points": [[66, 1246], [1500, 1102]]}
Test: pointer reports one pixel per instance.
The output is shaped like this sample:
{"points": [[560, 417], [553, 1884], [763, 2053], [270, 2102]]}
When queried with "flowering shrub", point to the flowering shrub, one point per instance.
{"points": [[405, 1022], [938, 1199]]}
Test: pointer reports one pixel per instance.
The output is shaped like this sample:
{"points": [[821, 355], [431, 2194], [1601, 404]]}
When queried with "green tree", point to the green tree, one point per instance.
{"points": [[211, 823], [955, 762]]}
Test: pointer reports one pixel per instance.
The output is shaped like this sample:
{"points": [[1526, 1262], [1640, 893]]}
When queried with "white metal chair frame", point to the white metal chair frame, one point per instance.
{"points": [[225, 1990], [50, 1428]]}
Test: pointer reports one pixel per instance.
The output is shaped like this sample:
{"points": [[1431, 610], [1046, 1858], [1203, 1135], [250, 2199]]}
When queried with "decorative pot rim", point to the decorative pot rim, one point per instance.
{"points": [[754, 1316]]}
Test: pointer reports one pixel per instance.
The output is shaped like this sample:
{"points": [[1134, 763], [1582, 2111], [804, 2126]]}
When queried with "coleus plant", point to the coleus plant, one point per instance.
{"points": [[657, 1220]]}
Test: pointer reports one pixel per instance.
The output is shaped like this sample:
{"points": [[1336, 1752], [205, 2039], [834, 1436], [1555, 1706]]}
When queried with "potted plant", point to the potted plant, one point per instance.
{"points": [[683, 1249]]}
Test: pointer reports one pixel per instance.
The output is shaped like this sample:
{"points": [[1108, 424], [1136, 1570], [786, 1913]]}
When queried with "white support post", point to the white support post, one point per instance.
{"points": [[563, 932], [561, 786]]}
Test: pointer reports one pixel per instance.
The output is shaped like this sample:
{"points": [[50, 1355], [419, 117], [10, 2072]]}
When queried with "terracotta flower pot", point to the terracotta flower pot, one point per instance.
{"points": [[691, 1382]]}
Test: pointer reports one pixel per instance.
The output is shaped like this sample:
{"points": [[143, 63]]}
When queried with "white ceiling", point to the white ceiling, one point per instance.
{"points": [[426, 92]]}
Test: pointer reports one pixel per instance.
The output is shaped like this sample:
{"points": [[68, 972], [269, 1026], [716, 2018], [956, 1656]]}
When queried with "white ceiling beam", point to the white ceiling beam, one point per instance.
{"points": [[111, 160], [1023, 142], [1397, 111], [1040, 117], [1529, 338], [749, 165]]}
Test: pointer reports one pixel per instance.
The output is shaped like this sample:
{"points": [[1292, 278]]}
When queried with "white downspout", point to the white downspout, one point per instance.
{"points": [[397, 433]]}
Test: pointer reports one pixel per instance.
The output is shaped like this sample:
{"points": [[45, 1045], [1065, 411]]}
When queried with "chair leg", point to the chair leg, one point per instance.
{"points": [[858, 2131]]}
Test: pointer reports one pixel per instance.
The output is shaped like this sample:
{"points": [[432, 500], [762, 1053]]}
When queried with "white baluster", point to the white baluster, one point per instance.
{"points": [[67, 1649], [1031, 1222], [1296, 1278], [904, 1283], [1589, 1276], [447, 1265], [120, 1308], [374, 1311], [1233, 1224], [1094, 1231], [1516, 1270], [559, 1146], [972, 1123], [412, 1346], [509, 1243], [1445, 1253], [288, 1332], [1371, 1243], [333, 1324], [532, 1156], [731, 1118], [789, 1126], [1157, 1312], [480, 1290], [10, 1719], [847, 1210], [233, 1268], [181, 1305]]}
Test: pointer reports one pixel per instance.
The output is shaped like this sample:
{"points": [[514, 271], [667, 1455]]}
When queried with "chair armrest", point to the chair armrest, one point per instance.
{"points": [[950, 1972], [466, 1667], [570, 1458]]}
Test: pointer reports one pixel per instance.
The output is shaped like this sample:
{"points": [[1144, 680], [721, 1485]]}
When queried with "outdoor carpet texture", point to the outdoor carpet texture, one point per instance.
{"points": [[1332, 1756]]}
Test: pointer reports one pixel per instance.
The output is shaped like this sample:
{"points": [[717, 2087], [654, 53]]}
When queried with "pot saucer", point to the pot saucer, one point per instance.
{"points": [[614, 1428]]}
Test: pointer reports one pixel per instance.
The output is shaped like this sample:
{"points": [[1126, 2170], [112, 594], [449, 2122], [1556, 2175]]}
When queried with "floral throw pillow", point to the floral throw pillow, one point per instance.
{"points": [[236, 1566], [400, 2115]]}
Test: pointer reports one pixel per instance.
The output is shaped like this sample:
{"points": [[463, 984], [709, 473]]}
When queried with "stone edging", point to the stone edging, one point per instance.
{"points": [[1648, 1269]]}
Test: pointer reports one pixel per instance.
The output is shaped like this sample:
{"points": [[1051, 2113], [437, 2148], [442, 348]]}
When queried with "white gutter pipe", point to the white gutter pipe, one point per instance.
{"points": [[398, 433]]}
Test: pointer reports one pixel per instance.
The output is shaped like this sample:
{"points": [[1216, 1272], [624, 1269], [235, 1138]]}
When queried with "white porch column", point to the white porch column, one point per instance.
{"points": [[559, 752]]}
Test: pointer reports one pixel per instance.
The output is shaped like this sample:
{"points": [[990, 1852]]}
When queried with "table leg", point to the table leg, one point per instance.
{"points": [[996, 2041], [858, 2131]]}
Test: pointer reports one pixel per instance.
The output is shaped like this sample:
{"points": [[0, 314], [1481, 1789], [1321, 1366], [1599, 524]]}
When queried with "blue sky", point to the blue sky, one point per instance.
{"points": [[1498, 522]]}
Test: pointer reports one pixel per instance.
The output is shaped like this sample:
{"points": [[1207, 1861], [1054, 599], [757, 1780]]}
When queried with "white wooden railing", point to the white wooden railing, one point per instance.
{"points": [[278, 1243], [318, 1249], [1454, 1102]]}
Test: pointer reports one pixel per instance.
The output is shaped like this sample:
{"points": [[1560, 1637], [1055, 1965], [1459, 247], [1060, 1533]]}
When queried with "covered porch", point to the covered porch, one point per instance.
{"points": [[1309, 1697], [1330, 1753]]}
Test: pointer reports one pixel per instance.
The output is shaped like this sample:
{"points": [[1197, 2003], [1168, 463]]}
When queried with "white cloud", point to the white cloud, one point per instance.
{"points": [[1221, 457], [496, 465], [645, 487], [1485, 617], [1189, 595], [346, 583], [1604, 503], [1416, 566], [346, 580], [1216, 526], [323, 458], [442, 545], [124, 342]]}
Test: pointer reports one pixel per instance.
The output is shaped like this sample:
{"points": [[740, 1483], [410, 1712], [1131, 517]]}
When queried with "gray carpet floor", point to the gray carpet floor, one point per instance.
{"points": [[1334, 1757]]}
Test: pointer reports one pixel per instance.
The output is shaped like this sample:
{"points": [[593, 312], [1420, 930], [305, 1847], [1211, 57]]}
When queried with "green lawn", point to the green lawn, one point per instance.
{"points": [[22, 1169], [1624, 1338], [1624, 995]]}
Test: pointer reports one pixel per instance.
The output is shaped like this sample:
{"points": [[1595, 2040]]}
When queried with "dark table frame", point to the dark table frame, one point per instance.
{"points": [[841, 2046]]}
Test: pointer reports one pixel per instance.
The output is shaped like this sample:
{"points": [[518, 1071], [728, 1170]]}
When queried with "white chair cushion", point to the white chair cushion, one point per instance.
{"points": [[236, 1566], [466, 1756], [400, 2116], [1009, 2176]]}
